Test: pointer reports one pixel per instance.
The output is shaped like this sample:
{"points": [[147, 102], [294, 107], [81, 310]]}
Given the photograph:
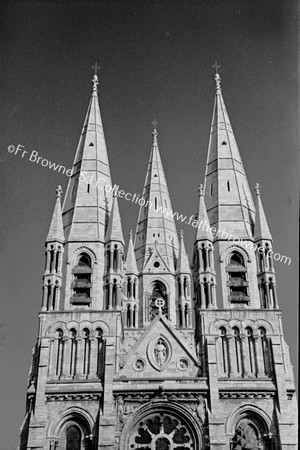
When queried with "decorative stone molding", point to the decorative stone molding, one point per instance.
{"points": [[73, 397]]}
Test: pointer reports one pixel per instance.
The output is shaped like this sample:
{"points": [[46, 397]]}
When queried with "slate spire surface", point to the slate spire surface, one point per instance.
{"points": [[228, 197], [156, 226], [87, 203]]}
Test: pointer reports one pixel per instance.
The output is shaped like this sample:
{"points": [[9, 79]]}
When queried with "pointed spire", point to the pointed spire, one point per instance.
{"points": [[114, 229], [56, 232], [87, 203], [183, 261], [203, 231], [228, 197], [154, 224], [261, 228], [131, 267]]}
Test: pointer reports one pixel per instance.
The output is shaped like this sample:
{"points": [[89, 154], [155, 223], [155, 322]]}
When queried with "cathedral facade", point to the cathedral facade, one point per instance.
{"points": [[141, 350]]}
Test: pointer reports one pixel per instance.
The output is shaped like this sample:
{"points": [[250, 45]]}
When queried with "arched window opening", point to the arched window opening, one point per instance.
{"points": [[237, 348], [49, 289], [100, 352], [185, 287], [55, 295], [206, 292], [52, 262], [73, 438], [82, 281], [128, 316], [264, 342], [249, 435], [268, 254], [272, 293], [134, 288], [134, 316], [107, 259], [86, 351], [114, 294], [59, 352], [179, 288], [260, 259], [186, 316], [237, 282], [115, 259], [58, 256], [224, 350], [73, 352], [179, 315], [263, 294], [159, 291], [251, 350], [204, 257], [228, 186]]}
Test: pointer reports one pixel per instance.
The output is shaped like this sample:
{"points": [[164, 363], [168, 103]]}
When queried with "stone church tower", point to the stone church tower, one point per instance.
{"points": [[137, 350]]}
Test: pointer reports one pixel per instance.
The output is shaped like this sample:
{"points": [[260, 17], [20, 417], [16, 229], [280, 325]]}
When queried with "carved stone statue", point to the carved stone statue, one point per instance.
{"points": [[160, 352]]}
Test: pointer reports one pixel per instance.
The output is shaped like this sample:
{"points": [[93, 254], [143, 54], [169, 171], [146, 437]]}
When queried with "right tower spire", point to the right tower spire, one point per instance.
{"points": [[228, 197]]}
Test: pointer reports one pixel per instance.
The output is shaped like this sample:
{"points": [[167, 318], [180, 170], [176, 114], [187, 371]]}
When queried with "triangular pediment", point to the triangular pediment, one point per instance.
{"points": [[160, 349], [156, 263]]}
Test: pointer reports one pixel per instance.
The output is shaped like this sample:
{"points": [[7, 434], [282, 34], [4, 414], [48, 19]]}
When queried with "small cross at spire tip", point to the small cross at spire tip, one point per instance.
{"points": [[216, 66], [130, 234], [154, 131], [58, 191], [257, 189], [95, 77], [201, 190]]}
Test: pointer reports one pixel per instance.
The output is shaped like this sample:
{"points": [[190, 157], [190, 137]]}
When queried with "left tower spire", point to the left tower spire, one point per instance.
{"points": [[87, 204]]}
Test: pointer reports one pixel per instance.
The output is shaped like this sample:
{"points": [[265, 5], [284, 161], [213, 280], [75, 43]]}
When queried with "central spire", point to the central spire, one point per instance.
{"points": [[87, 204], [156, 229]]}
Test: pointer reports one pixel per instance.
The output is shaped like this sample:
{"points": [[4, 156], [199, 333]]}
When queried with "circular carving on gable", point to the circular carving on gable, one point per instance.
{"points": [[182, 364], [139, 365]]}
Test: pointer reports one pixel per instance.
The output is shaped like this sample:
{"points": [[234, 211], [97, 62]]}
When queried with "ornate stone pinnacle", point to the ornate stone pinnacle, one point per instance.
{"points": [[257, 189]]}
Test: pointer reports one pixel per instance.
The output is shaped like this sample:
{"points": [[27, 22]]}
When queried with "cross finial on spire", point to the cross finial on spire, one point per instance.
{"points": [[95, 77], [181, 234], [201, 190], [58, 191], [130, 234], [257, 189], [216, 66], [154, 132]]}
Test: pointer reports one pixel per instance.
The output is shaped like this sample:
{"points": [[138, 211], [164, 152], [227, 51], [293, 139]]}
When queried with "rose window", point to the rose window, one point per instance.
{"points": [[161, 432]]}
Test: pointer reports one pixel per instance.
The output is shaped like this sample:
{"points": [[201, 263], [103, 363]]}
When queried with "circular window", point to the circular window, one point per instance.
{"points": [[139, 364], [156, 264], [182, 364], [161, 431]]}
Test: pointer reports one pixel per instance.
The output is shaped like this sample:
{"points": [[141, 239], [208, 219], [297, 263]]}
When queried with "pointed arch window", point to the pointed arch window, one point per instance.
{"points": [[223, 360], [100, 352], [238, 350], [159, 291], [237, 281], [59, 352], [250, 350], [265, 349], [86, 351], [82, 281], [73, 352], [249, 435]]}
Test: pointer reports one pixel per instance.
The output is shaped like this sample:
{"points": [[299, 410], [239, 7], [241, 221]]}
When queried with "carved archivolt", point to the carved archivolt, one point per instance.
{"points": [[82, 249]]}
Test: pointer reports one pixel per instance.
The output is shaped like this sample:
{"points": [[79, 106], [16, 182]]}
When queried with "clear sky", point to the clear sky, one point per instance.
{"points": [[156, 60]]}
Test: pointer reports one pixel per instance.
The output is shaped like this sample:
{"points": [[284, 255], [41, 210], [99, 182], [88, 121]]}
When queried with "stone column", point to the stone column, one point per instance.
{"points": [[259, 362], [214, 298], [181, 296], [231, 355], [245, 362], [52, 359], [79, 357], [93, 358], [207, 257], [111, 259], [54, 261], [209, 295], [51, 297]]}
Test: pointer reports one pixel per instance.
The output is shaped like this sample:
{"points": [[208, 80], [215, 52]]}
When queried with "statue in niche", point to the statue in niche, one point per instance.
{"points": [[160, 352]]}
